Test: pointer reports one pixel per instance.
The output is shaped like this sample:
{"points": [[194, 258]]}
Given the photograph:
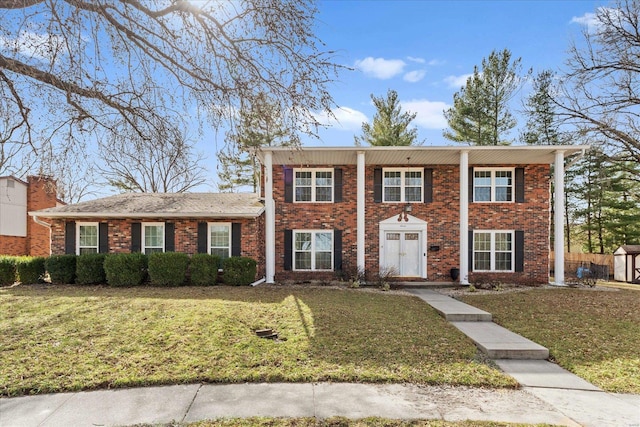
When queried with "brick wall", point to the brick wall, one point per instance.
{"points": [[186, 235], [41, 194], [442, 217], [13, 245]]}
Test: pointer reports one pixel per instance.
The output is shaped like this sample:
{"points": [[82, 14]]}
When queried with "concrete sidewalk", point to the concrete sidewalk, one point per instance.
{"points": [[549, 394]]}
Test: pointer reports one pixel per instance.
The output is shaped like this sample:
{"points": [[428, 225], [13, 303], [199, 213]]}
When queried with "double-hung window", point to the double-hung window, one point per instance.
{"points": [[402, 185], [493, 251], [313, 185], [220, 239], [152, 237], [313, 250], [493, 185], [87, 238]]}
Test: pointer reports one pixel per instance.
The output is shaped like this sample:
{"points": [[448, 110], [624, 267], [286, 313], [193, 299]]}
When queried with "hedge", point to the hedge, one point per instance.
{"points": [[61, 268], [90, 269], [168, 268], [126, 269], [239, 271], [30, 270], [7, 271], [204, 269]]}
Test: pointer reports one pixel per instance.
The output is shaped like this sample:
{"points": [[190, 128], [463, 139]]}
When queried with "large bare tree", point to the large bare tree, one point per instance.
{"points": [[88, 66], [600, 92]]}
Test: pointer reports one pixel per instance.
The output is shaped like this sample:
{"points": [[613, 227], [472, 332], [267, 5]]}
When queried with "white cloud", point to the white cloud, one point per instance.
{"points": [[456, 82], [32, 45], [589, 19], [380, 68], [414, 76], [345, 119], [429, 114], [437, 62], [414, 59]]}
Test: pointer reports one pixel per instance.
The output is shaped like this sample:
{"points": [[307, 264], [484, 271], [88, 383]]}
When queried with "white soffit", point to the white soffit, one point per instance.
{"points": [[446, 155]]}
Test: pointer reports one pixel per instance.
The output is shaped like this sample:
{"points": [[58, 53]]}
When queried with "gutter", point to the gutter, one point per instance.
{"points": [[576, 159], [259, 282]]}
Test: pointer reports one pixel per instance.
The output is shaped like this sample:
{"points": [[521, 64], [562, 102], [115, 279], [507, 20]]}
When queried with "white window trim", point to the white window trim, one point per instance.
{"points": [[85, 224], [313, 249], [151, 224], [402, 184], [313, 184], [228, 225], [493, 251], [493, 185]]}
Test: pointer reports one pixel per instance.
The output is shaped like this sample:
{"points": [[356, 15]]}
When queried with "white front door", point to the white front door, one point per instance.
{"points": [[402, 252]]}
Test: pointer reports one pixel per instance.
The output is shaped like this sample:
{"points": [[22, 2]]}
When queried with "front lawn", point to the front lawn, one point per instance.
{"points": [[592, 333], [63, 338]]}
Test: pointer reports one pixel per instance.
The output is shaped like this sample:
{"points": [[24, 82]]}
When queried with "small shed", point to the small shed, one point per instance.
{"points": [[626, 264]]}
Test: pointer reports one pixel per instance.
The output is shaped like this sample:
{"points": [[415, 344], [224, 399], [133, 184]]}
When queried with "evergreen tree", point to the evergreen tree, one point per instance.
{"points": [[259, 125], [542, 127], [390, 125], [480, 114]]}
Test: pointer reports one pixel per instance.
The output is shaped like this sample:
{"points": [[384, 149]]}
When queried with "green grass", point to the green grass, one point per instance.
{"points": [[594, 334], [64, 338]]}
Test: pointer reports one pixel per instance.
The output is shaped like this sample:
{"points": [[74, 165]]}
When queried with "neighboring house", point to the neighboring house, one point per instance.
{"points": [[19, 234], [419, 211], [222, 224]]}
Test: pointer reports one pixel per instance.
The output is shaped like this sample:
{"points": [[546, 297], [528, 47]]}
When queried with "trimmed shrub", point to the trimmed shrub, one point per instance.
{"points": [[61, 268], [7, 270], [90, 269], [239, 271], [204, 269], [168, 268], [126, 269], [30, 270]]}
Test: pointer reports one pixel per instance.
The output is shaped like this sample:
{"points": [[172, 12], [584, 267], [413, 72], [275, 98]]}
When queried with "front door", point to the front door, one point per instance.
{"points": [[402, 253]]}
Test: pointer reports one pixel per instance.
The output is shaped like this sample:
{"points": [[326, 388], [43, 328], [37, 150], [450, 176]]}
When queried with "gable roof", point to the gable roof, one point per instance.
{"points": [[419, 155], [162, 205]]}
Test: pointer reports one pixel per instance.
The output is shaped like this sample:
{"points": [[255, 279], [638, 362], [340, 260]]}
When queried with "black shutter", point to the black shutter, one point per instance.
{"points": [[288, 185], [337, 250], [337, 185], [471, 184], [136, 237], [70, 237], [288, 249], [202, 238], [103, 238], [470, 259], [377, 185], [236, 239], [519, 245], [169, 237], [428, 185], [519, 178]]}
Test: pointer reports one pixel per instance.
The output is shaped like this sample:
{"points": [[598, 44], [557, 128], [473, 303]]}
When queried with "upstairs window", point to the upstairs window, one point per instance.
{"points": [[87, 233], [493, 185], [313, 185], [402, 185]]}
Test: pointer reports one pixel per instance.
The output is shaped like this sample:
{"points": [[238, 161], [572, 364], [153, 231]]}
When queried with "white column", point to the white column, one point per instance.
{"points": [[270, 220], [464, 217], [558, 219], [360, 212]]}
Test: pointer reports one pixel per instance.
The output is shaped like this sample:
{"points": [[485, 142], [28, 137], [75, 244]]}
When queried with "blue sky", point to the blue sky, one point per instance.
{"points": [[425, 49]]}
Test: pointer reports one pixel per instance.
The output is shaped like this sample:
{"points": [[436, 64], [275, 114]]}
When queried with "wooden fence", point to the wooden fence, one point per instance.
{"points": [[573, 261]]}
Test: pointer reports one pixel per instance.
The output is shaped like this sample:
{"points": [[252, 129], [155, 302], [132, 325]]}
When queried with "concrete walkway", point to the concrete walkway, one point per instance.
{"points": [[549, 395]]}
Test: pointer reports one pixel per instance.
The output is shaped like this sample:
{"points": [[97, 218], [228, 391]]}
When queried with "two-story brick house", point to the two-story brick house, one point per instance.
{"points": [[419, 211], [416, 211]]}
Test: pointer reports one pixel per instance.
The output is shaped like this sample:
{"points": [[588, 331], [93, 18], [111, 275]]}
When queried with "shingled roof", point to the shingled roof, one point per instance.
{"points": [[165, 205]]}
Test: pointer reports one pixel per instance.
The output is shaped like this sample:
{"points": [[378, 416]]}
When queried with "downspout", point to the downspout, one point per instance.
{"points": [[44, 224]]}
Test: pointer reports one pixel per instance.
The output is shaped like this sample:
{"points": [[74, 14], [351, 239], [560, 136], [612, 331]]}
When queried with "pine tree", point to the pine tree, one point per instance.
{"points": [[480, 114], [259, 125], [390, 125], [542, 127]]}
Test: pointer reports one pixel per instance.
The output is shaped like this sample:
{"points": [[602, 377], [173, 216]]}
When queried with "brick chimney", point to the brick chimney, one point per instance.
{"points": [[41, 194]]}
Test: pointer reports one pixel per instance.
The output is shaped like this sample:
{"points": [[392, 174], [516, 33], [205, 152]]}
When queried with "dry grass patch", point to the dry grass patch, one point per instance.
{"points": [[343, 422], [592, 333], [63, 338]]}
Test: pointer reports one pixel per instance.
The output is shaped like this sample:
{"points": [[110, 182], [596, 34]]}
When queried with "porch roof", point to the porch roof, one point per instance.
{"points": [[162, 205], [419, 155]]}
